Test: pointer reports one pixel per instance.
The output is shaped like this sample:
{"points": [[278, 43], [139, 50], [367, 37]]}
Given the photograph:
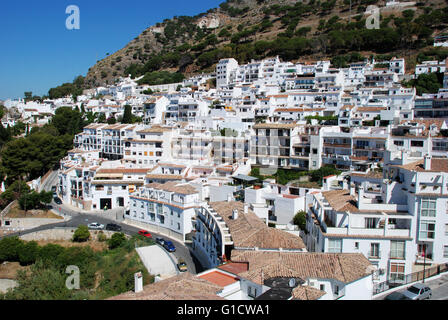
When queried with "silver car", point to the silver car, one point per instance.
{"points": [[418, 291], [96, 226]]}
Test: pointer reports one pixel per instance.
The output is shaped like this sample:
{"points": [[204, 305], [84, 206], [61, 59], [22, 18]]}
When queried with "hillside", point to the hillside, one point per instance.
{"points": [[254, 29]]}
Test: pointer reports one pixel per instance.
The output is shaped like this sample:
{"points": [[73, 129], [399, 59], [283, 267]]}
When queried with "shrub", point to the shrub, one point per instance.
{"points": [[50, 252], [116, 240], [82, 234], [300, 219], [101, 236], [10, 248], [28, 253]]}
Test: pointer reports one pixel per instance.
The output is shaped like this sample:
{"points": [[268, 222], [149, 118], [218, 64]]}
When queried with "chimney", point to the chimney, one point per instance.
{"points": [[235, 214], [138, 279], [427, 163], [352, 189], [344, 184], [360, 195]]}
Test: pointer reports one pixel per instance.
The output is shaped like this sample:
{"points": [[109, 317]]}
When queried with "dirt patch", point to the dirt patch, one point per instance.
{"points": [[8, 270], [95, 245], [16, 212]]}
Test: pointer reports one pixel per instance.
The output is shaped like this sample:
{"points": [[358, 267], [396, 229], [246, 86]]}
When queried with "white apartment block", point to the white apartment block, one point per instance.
{"points": [[391, 225], [169, 207]]}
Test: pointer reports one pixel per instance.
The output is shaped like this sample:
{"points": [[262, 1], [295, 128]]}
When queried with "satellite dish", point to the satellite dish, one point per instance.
{"points": [[292, 283]]}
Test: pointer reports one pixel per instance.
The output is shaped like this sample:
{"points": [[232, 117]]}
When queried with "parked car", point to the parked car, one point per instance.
{"points": [[53, 188], [418, 291], [96, 226], [169, 246], [160, 241], [113, 227], [397, 296], [182, 266], [57, 200], [145, 233]]}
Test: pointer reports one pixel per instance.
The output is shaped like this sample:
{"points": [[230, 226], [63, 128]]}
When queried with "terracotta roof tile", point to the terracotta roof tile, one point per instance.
{"points": [[181, 287], [344, 267], [249, 231]]}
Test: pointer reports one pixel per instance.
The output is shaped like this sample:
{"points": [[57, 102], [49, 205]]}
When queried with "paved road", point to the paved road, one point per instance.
{"points": [[439, 288], [78, 218]]}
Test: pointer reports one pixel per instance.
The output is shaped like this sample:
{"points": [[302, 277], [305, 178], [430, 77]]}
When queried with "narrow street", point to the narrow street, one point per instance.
{"points": [[77, 218], [439, 288]]}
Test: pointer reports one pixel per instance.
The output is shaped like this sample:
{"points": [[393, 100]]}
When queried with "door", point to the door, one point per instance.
{"points": [[105, 204]]}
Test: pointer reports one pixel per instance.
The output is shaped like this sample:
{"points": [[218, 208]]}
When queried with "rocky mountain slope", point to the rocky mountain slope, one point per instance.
{"points": [[295, 30]]}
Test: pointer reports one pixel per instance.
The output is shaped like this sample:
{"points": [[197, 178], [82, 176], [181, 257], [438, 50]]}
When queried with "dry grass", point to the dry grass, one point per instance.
{"points": [[16, 212], [94, 244], [8, 270]]}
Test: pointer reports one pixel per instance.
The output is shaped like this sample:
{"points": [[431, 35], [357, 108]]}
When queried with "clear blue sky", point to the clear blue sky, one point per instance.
{"points": [[37, 52]]}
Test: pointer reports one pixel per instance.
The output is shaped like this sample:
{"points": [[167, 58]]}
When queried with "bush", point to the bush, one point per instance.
{"points": [[300, 220], [28, 253], [50, 252], [82, 234], [101, 236], [116, 240], [328, 170], [10, 248]]}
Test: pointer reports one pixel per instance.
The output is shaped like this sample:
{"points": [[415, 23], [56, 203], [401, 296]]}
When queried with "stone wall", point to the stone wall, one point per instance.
{"points": [[20, 224], [60, 234]]}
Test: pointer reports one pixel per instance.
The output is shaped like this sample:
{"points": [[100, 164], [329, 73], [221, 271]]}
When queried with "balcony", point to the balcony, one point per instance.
{"points": [[374, 255]]}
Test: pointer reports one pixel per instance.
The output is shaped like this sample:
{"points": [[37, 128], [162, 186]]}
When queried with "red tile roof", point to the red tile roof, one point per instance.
{"points": [[219, 278]]}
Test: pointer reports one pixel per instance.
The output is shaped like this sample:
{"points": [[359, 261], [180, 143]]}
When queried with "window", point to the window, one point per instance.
{"points": [[374, 250], [335, 245], [356, 245], [445, 251], [397, 249], [336, 290], [396, 271], [446, 229], [252, 292], [428, 208], [427, 229], [416, 143], [370, 223], [322, 287], [399, 143]]}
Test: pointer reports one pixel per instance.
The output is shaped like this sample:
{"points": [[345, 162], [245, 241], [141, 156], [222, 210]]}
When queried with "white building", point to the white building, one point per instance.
{"points": [[169, 207]]}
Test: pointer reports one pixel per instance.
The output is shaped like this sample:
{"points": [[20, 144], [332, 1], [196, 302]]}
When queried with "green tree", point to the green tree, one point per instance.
{"points": [[68, 121], [40, 283], [28, 96], [10, 248], [28, 253], [49, 253], [82, 234], [46, 198], [116, 240], [300, 220], [111, 120], [127, 115]]}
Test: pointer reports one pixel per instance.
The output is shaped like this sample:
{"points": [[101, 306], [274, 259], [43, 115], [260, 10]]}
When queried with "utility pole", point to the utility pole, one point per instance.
{"points": [[424, 261]]}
